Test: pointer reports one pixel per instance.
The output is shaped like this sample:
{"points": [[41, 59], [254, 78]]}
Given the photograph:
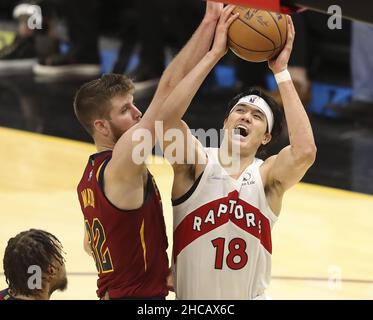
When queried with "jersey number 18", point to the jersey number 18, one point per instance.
{"points": [[236, 248]]}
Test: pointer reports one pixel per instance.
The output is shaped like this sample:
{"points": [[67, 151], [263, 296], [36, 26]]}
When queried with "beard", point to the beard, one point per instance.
{"points": [[60, 285], [116, 132]]}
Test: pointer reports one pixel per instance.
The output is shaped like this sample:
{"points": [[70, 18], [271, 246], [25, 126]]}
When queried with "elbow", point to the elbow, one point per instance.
{"points": [[310, 154], [307, 155]]}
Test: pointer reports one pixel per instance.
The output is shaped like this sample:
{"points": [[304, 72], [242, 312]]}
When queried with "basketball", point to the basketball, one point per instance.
{"points": [[257, 35]]}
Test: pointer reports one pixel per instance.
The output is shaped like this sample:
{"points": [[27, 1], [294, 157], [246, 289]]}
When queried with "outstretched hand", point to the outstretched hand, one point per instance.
{"points": [[220, 41], [280, 63]]}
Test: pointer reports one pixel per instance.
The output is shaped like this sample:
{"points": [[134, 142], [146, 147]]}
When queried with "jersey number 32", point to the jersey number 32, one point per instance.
{"points": [[97, 241]]}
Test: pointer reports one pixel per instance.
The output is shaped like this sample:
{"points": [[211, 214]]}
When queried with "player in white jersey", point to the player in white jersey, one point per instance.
{"points": [[223, 218]]}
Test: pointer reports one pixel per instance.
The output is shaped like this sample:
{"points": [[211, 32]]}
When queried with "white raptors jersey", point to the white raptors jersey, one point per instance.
{"points": [[222, 236]]}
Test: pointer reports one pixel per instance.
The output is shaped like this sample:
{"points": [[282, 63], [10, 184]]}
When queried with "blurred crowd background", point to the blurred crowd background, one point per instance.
{"points": [[139, 38]]}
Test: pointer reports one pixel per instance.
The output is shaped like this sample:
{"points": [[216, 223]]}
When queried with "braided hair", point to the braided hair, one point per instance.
{"points": [[32, 247]]}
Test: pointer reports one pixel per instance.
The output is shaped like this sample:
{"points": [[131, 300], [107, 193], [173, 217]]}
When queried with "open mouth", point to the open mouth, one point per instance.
{"points": [[241, 130]]}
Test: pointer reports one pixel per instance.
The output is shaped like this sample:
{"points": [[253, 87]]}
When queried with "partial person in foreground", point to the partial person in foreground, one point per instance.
{"points": [[27, 254], [224, 213]]}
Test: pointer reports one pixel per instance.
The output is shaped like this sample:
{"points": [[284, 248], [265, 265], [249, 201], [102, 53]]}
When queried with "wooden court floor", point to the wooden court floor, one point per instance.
{"points": [[322, 243]]}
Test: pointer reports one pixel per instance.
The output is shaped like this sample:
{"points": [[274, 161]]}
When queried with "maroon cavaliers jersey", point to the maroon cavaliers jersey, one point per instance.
{"points": [[129, 246]]}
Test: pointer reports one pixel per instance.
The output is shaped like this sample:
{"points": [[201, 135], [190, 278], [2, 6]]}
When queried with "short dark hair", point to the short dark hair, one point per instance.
{"points": [[92, 100], [278, 113], [32, 247]]}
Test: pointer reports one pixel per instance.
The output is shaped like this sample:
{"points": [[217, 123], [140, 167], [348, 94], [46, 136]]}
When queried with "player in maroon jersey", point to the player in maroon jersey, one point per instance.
{"points": [[124, 223], [25, 255]]}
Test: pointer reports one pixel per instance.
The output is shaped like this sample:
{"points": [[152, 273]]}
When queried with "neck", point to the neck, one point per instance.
{"points": [[42, 295], [103, 143], [237, 163], [103, 147]]}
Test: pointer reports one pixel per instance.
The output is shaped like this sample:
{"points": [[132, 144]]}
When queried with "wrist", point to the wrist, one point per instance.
{"points": [[213, 54], [216, 54], [282, 76], [207, 19]]}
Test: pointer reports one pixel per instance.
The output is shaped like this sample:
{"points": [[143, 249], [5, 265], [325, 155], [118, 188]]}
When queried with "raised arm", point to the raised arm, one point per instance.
{"points": [[179, 100], [191, 53], [186, 60], [289, 166]]}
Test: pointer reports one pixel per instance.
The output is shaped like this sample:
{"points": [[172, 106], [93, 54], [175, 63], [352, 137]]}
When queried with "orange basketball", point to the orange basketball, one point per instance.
{"points": [[257, 35]]}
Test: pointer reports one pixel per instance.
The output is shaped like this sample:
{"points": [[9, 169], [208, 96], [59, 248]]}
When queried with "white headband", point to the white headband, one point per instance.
{"points": [[261, 105]]}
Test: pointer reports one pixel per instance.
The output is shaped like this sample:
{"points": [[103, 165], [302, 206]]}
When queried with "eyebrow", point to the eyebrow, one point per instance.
{"points": [[251, 107], [259, 111]]}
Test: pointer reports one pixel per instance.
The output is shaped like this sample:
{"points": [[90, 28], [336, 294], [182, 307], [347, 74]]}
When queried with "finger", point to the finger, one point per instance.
{"points": [[227, 11], [232, 18], [291, 25], [230, 14], [229, 7], [291, 31]]}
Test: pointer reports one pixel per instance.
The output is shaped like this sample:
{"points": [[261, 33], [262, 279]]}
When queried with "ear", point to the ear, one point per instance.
{"points": [[267, 138], [51, 272], [101, 126]]}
